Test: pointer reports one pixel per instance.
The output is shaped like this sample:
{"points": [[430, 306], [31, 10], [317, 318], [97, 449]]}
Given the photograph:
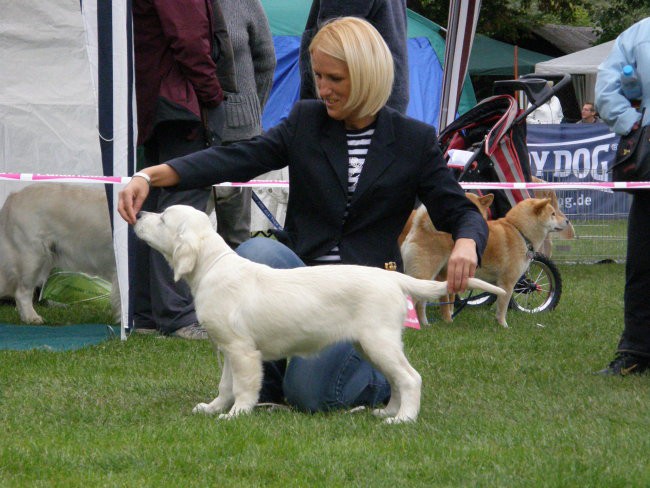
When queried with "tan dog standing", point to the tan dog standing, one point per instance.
{"points": [[512, 241], [482, 203], [441, 242]]}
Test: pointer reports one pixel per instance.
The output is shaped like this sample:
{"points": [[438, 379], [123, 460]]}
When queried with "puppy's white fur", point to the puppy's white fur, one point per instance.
{"points": [[254, 313], [44, 226]]}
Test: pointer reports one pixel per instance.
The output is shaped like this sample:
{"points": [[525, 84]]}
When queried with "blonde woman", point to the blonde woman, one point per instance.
{"points": [[356, 168]]}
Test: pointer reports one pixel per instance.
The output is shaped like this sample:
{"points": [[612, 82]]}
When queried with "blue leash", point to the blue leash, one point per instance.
{"points": [[266, 211]]}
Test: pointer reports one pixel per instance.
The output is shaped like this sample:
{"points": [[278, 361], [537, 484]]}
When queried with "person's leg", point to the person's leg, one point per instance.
{"points": [[142, 312], [633, 353], [171, 301], [338, 377], [172, 305], [232, 207], [636, 335]]}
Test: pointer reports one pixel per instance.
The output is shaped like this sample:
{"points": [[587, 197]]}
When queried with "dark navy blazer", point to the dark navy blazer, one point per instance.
{"points": [[404, 162]]}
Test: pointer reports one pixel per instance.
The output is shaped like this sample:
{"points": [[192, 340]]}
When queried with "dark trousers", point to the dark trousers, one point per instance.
{"points": [[159, 301], [636, 334]]}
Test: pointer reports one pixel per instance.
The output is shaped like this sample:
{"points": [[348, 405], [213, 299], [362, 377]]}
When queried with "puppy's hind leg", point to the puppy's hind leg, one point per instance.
{"points": [[405, 382], [246, 380], [225, 399]]}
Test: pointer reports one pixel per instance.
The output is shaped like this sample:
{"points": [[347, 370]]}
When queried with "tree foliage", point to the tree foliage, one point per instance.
{"points": [[611, 17], [513, 20]]}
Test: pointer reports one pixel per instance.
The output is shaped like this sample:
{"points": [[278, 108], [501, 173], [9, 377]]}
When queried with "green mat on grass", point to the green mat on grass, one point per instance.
{"points": [[54, 338]]}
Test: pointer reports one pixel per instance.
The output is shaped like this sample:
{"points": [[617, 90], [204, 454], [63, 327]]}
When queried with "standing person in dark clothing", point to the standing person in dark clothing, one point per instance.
{"points": [[179, 97], [632, 47], [387, 16]]}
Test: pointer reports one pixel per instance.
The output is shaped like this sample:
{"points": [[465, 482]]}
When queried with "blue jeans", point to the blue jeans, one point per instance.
{"points": [[338, 377]]}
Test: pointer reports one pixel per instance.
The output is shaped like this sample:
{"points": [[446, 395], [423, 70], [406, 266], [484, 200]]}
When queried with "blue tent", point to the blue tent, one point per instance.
{"points": [[426, 49]]}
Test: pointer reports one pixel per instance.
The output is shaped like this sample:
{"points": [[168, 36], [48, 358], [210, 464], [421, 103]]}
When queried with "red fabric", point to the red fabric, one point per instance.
{"points": [[172, 44]]}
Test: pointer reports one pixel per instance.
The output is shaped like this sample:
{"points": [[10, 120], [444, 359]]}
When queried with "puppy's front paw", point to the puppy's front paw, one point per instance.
{"points": [[203, 408], [381, 413], [399, 420], [34, 320]]}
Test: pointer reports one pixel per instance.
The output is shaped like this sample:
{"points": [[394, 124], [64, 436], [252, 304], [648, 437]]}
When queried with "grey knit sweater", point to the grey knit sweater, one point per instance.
{"points": [[254, 54]]}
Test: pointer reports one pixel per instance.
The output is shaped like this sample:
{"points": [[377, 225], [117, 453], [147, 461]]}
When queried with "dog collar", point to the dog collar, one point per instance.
{"points": [[218, 258], [530, 250]]}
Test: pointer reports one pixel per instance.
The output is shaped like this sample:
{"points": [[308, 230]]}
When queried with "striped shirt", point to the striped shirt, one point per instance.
{"points": [[358, 145]]}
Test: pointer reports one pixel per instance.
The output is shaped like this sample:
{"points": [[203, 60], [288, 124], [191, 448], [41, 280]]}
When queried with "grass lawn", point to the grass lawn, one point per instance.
{"points": [[500, 408]]}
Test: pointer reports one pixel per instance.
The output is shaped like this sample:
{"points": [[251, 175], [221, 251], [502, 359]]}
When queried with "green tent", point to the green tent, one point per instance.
{"points": [[490, 57]]}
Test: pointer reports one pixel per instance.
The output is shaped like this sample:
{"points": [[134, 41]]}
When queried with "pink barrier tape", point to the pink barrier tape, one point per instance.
{"points": [[63, 178], [573, 185], [122, 180]]}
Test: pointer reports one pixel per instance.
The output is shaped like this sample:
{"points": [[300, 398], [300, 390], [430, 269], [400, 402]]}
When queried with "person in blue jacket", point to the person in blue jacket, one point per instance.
{"points": [[632, 47], [356, 167]]}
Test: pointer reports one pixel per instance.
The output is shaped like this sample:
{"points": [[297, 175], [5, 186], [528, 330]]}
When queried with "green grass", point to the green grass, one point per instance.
{"points": [[500, 408]]}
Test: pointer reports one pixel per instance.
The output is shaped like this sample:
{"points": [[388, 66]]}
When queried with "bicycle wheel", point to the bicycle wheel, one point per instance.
{"points": [[540, 288]]}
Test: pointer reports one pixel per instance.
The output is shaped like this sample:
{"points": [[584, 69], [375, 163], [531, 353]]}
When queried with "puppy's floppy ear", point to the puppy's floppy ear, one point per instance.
{"points": [[185, 254]]}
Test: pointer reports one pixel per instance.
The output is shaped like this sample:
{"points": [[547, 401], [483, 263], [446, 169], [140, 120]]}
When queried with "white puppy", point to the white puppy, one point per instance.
{"points": [[44, 226], [254, 313]]}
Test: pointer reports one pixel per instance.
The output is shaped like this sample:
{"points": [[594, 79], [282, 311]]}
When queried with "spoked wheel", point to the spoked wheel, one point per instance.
{"points": [[540, 287]]}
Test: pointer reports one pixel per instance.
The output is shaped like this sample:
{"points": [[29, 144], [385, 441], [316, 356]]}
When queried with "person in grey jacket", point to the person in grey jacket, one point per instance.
{"points": [[387, 16], [254, 62]]}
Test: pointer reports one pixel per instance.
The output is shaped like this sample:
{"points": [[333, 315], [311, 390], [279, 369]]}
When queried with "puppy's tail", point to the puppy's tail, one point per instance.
{"points": [[430, 289]]}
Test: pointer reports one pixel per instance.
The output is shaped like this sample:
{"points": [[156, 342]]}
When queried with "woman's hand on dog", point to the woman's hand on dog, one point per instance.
{"points": [[461, 265], [135, 193], [131, 199]]}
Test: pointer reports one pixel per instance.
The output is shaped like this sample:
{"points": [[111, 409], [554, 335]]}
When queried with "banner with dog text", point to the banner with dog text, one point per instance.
{"points": [[577, 153]]}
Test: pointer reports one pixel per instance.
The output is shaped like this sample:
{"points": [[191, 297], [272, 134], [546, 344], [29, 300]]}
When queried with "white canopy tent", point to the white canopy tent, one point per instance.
{"points": [[66, 98], [582, 66]]}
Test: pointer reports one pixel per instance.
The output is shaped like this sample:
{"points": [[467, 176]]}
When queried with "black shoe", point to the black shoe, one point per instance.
{"points": [[625, 364]]}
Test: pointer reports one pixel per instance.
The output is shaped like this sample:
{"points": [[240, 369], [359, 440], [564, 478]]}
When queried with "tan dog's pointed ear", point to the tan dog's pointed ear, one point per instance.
{"points": [[487, 199], [541, 204], [184, 255]]}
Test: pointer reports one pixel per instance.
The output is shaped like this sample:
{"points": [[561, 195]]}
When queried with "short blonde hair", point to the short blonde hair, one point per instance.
{"points": [[370, 63]]}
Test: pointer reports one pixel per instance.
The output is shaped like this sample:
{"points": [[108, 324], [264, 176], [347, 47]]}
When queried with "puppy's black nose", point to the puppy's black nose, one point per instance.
{"points": [[138, 215]]}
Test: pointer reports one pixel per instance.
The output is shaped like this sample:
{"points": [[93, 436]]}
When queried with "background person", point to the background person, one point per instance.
{"points": [[387, 16], [179, 112], [355, 169], [550, 112], [631, 47], [588, 114], [254, 62]]}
